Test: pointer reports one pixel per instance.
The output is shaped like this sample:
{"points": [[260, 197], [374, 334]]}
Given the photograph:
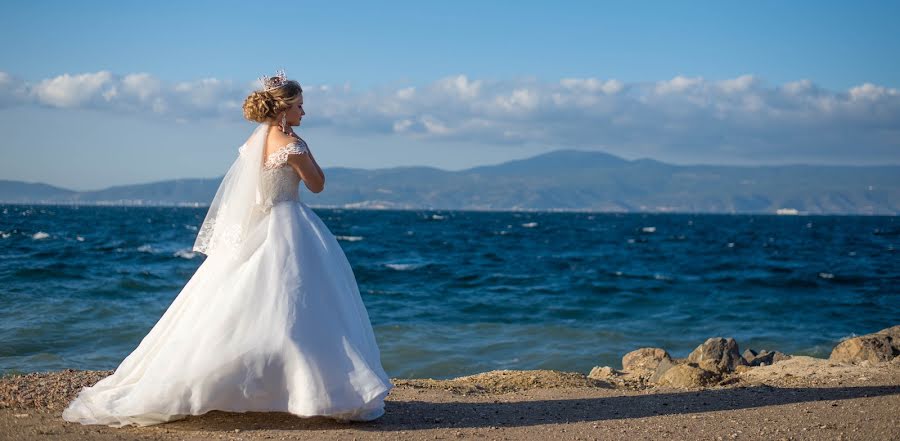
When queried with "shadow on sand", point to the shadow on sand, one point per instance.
{"points": [[415, 415]]}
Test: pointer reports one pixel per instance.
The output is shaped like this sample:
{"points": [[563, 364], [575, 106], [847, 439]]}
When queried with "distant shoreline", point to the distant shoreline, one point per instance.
{"points": [[477, 210], [556, 181]]}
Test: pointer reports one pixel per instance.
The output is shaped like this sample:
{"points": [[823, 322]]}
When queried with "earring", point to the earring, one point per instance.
{"points": [[284, 122]]}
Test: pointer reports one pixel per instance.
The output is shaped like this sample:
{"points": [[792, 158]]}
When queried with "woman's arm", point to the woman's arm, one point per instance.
{"points": [[306, 166]]}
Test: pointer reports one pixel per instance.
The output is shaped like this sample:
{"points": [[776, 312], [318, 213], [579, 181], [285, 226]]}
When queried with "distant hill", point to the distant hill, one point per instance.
{"points": [[175, 191], [18, 191], [558, 180]]}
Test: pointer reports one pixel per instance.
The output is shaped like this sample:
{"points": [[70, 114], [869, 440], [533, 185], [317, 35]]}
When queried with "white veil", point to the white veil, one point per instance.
{"points": [[235, 209]]}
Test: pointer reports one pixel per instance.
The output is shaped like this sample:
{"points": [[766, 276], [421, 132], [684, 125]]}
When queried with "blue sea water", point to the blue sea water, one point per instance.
{"points": [[453, 293]]}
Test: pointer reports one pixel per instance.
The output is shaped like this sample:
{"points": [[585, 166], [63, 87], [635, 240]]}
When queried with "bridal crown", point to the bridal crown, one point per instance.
{"points": [[273, 82]]}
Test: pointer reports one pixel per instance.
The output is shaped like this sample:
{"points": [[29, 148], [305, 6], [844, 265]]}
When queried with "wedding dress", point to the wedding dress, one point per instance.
{"points": [[272, 320]]}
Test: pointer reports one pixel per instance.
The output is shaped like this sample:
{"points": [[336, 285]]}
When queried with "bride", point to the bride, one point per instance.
{"points": [[272, 320]]}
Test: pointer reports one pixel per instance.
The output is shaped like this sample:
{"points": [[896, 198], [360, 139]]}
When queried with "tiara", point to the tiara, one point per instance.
{"points": [[273, 82]]}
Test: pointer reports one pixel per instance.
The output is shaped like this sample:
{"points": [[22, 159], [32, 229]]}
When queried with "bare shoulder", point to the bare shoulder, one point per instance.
{"points": [[278, 140]]}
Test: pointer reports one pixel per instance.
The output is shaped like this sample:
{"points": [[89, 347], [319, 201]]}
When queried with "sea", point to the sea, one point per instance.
{"points": [[452, 293]]}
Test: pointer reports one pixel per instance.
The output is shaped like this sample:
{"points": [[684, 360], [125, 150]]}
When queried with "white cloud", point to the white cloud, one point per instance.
{"points": [[72, 90], [205, 94], [460, 87], [739, 84], [677, 84], [402, 125], [406, 93], [869, 91], [142, 85], [691, 117], [519, 101], [592, 85], [434, 126], [136, 92], [799, 87]]}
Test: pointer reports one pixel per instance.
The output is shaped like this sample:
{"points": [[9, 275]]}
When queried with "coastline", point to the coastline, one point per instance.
{"points": [[416, 208], [710, 394]]}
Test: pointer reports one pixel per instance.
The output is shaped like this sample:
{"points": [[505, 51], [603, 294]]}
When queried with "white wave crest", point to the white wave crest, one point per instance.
{"points": [[185, 254], [402, 266]]}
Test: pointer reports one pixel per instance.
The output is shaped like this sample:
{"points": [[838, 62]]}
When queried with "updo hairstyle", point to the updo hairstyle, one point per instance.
{"points": [[264, 105]]}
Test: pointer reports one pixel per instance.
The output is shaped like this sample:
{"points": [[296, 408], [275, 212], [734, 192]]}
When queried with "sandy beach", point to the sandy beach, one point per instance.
{"points": [[794, 398]]}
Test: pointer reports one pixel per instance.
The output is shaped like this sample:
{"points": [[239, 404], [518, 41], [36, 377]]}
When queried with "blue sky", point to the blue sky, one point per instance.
{"points": [[98, 93]]}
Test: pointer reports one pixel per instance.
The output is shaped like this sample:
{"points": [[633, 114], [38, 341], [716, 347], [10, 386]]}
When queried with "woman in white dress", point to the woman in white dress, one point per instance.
{"points": [[272, 320]]}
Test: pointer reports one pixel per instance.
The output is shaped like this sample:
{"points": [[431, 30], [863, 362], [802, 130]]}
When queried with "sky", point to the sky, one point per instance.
{"points": [[94, 94]]}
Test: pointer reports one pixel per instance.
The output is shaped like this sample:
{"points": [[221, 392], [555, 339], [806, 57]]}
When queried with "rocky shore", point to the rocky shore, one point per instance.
{"points": [[716, 392], [718, 361]]}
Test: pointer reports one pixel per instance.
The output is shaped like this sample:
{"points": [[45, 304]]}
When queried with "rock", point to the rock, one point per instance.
{"points": [[741, 368], [872, 347], [749, 354], [761, 358], [894, 333], [662, 368], [687, 376], [717, 355], [779, 356], [603, 373], [644, 361]]}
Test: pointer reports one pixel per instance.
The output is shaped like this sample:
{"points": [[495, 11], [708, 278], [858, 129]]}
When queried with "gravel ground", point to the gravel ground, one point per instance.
{"points": [[800, 398]]}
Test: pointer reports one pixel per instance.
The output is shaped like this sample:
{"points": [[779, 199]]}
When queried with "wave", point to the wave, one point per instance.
{"points": [[185, 254], [403, 266]]}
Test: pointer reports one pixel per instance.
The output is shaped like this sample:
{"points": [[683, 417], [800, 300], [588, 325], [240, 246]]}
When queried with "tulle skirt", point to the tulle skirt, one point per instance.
{"points": [[278, 327]]}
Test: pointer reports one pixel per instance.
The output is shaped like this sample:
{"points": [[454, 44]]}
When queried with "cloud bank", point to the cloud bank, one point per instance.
{"points": [[738, 118]]}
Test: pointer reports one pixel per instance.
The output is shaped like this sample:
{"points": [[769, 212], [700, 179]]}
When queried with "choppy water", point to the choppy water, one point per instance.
{"points": [[456, 293]]}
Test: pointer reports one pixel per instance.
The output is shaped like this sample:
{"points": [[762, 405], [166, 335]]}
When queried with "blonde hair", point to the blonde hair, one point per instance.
{"points": [[263, 105]]}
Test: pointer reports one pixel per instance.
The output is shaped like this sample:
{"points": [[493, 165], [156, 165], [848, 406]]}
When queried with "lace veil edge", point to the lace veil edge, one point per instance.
{"points": [[234, 211]]}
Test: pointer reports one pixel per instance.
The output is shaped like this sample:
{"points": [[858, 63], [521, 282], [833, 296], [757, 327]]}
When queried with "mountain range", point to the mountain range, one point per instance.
{"points": [[565, 180]]}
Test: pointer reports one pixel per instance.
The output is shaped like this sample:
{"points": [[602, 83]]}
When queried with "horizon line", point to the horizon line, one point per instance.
{"points": [[600, 152]]}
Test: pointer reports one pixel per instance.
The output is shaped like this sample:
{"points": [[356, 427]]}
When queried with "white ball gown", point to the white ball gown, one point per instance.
{"points": [[277, 324]]}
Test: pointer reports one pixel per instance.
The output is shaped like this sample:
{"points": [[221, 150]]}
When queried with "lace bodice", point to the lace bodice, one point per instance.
{"points": [[279, 181]]}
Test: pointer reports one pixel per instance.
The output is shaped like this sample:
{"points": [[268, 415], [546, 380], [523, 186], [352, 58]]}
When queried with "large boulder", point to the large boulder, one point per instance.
{"points": [[718, 355], [870, 347], [894, 333], [644, 361], [687, 375], [662, 368]]}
